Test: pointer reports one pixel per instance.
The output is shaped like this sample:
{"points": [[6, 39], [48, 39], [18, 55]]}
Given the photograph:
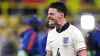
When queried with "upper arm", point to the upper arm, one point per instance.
{"points": [[48, 46], [82, 53], [49, 53], [78, 40], [31, 41]]}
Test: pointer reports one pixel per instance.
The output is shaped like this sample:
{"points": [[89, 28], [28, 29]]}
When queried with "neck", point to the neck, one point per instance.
{"points": [[61, 24]]}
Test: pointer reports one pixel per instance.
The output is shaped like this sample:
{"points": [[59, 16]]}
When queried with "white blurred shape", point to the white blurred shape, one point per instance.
{"points": [[87, 22]]}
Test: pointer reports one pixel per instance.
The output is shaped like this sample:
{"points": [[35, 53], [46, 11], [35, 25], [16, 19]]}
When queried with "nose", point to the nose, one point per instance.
{"points": [[48, 16]]}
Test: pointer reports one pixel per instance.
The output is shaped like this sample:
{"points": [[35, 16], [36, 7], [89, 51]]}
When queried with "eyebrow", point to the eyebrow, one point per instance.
{"points": [[51, 13]]}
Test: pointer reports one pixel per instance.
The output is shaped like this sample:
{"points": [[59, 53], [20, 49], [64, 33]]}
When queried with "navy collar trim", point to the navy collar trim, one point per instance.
{"points": [[64, 27]]}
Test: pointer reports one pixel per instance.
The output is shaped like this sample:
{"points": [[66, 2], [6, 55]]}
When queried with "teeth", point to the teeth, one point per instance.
{"points": [[51, 21]]}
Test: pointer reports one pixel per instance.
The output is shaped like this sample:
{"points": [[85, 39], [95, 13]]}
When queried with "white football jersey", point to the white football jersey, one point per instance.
{"points": [[66, 43]]}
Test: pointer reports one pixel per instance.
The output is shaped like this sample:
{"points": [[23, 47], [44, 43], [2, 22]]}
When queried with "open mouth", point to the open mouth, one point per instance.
{"points": [[51, 21]]}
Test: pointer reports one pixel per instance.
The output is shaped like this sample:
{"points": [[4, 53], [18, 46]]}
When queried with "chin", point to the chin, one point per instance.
{"points": [[51, 25]]}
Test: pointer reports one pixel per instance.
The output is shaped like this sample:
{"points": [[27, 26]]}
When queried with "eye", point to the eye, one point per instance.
{"points": [[51, 13]]}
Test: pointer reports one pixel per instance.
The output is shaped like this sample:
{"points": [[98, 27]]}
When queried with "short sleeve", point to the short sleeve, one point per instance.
{"points": [[48, 47], [78, 40]]}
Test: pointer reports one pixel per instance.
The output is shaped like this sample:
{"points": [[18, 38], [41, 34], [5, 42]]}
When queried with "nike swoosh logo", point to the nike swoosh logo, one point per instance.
{"points": [[51, 41]]}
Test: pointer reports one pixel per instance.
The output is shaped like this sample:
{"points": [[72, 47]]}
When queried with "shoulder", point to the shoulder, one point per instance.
{"points": [[74, 29], [29, 33], [76, 33], [52, 31]]}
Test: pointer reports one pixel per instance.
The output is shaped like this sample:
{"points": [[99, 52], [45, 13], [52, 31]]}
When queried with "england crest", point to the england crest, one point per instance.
{"points": [[65, 41]]}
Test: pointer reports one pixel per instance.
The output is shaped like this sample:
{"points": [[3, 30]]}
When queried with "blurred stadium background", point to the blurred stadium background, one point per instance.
{"points": [[14, 14]]}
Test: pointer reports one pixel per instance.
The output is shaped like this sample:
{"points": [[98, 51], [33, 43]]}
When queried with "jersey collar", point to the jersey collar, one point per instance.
{"points": [[64, 27]]}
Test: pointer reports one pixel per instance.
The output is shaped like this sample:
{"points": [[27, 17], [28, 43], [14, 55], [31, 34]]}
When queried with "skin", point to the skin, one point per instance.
{"points": [[57, 19]]}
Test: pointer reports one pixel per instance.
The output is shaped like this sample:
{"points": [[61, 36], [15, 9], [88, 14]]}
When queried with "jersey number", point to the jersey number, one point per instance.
{"points": [[58, 53]]}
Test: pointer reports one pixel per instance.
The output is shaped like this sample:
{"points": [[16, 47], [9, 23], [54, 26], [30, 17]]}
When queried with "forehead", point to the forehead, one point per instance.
{"points": [[52, 10]]}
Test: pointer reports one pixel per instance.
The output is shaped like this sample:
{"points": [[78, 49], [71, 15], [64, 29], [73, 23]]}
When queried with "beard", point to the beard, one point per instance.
{"points": [[51, 23]]}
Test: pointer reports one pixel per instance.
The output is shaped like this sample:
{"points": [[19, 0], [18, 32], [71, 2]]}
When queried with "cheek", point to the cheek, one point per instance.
{"points": [[57, 18], [54, 17]]}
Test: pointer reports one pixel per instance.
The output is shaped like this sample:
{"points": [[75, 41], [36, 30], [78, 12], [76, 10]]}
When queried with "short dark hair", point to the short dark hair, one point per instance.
{"points": [[60, 6]]}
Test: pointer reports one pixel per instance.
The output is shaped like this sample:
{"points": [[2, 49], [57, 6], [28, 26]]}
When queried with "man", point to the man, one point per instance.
{"points": [[29, 40], [65, 39]]}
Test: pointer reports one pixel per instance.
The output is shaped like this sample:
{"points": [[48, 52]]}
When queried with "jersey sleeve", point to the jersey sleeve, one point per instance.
{"points": [[48, 47], [78, 41]]}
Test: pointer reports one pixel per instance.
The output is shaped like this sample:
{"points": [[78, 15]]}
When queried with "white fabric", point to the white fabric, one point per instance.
{"points": [[74, 41]]}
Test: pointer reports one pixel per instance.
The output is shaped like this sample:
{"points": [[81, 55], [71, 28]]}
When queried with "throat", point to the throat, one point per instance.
{"points": [[59, 28]]}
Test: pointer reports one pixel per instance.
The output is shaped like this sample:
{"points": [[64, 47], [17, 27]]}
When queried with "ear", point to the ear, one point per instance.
{"points": [[62, 14]]}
